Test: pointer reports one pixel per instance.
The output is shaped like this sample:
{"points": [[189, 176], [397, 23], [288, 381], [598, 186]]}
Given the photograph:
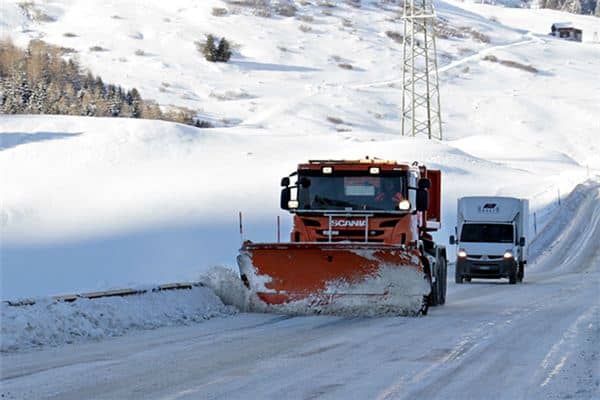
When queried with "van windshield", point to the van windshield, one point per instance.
{"points": [[488, 233]]}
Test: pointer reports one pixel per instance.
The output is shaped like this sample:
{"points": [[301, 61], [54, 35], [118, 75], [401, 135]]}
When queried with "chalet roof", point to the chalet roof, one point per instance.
{"points": [[561, 25]]}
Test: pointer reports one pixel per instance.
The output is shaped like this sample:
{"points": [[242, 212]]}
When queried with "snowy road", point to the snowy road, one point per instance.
{"points": [[538, 340]]}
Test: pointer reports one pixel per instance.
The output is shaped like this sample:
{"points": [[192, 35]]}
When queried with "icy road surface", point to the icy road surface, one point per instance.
{"points": [[539, 340]]}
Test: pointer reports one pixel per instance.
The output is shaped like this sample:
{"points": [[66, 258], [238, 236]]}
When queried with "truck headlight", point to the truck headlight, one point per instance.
{"points": [[404, 205], [374, 170], [461, 254], [508, 254], [327, 170], [293, 204]]}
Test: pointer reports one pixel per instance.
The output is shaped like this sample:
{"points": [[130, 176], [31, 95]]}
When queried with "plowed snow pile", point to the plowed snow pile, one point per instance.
{"points": [[52, 323]]}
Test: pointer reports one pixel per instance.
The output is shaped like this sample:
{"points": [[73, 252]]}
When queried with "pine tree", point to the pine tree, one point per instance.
{"points": [[38, 99], [223, 52], [10, 104], [209, 49], [23, 91], [99, 86], [53, 99], [86, 103], [134, 100], [572, 6]]}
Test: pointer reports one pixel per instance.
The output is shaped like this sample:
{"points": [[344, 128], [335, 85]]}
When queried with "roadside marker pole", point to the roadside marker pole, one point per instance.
{"points": [[535, 223], [278, 230], [241, 230]]}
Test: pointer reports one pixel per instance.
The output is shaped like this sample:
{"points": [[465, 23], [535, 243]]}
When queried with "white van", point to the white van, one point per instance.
{"points": [[491, 236]]}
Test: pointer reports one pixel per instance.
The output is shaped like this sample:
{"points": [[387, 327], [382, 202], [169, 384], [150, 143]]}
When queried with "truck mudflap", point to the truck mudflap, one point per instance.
{"points": [[334, 278]]}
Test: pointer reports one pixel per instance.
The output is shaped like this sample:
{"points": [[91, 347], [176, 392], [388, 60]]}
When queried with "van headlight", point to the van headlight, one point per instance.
{"points": [[508, 254], [461, 254]]}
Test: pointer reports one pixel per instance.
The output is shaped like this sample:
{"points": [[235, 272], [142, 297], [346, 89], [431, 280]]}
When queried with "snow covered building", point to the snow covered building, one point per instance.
{"points": [[565, 30]]}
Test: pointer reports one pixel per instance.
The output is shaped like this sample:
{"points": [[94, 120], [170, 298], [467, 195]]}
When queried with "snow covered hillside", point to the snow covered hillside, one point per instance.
{"points": [[99, 203]]}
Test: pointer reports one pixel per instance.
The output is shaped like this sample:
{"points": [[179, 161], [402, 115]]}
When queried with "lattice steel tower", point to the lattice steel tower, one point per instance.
{"points": [[420, 88]]}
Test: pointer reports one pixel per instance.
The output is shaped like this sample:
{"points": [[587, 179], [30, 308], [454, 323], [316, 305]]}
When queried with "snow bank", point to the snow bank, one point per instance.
{"points": [[53, 323], [227, 284], [558, 245]]}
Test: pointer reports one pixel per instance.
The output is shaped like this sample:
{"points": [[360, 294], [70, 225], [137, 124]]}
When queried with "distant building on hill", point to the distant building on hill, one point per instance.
{"points": [[565, 30]]}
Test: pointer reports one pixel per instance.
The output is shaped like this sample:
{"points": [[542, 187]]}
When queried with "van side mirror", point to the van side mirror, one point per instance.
{"points": [[285, 181], [285, 198], [422, 200], [522, 241], [452, 240]]}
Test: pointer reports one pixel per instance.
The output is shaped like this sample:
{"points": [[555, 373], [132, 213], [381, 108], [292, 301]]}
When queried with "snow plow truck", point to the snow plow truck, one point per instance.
{"points": [[360, 244]]}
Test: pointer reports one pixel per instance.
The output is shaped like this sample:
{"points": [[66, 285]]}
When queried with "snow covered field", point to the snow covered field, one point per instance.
{"points": [[102, 203]]}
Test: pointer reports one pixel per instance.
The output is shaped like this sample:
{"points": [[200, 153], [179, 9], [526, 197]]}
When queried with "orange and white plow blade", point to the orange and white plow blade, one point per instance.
{"points": [[333, 278]]}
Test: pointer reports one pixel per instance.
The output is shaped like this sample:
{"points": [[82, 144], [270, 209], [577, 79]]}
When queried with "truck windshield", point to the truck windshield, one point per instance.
{"points": [[489, 233], [366, 192]]}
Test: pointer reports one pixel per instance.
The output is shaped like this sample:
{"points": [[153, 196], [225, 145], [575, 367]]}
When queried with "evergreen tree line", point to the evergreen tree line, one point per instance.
{"points": [[588, 7], [38, 80]]}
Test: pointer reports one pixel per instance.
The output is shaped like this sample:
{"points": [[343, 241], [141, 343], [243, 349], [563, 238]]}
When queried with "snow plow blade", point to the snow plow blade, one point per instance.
{"points": [[334, 278]]}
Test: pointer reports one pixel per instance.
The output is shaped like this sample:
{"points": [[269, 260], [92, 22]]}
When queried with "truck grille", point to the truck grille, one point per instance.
{"points": [[344, 239], [354, 232]]}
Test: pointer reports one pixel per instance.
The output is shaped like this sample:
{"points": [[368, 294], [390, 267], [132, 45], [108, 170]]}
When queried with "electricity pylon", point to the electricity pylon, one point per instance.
{"points": [[420, 88]]}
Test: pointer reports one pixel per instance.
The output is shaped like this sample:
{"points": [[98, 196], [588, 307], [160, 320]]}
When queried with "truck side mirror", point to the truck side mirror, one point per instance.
{"points": [[522, 241], [285, 198], [424, 183], [452, 241], [422, 200], [304, 182], [285, 181]]}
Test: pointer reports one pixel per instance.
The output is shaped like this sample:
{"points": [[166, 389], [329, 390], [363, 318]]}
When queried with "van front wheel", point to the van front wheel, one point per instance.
{"points": [[512, 277], [521, 272], [458, 277]]}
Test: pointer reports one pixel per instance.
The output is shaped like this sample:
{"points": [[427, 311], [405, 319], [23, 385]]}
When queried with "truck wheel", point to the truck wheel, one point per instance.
{"points": [[521, 272], [434, 297], [512, 277], [443, 279], [425, 305]]}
